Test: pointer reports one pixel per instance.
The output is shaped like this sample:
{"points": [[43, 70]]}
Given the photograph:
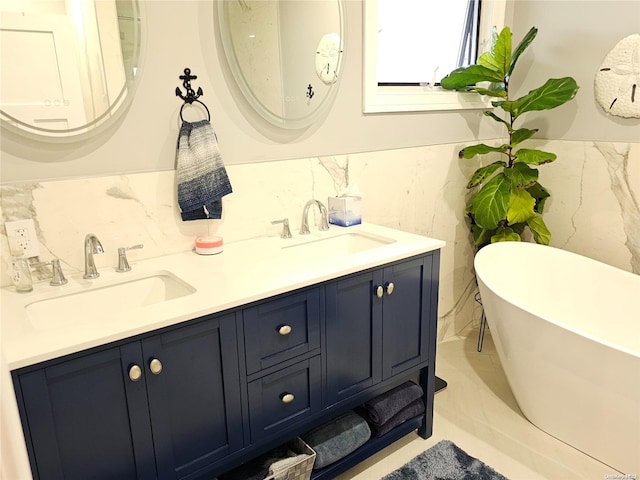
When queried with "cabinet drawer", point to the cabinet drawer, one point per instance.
{"points": [[281, 329], [284, 398]]}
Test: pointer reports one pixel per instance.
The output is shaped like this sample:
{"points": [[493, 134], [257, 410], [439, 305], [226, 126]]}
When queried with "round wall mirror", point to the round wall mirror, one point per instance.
{"points": [[67, 66], [285, 55]]}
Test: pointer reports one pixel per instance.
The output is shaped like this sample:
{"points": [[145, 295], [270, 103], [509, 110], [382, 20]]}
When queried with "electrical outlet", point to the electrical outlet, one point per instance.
{"points": [[22, 237]]}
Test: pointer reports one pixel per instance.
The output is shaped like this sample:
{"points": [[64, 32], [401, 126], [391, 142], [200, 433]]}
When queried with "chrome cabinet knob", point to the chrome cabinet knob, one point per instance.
{"points": [[379, 291], [390, 288], [135, 373], [284, 330], [287, 397], [155, 366]]}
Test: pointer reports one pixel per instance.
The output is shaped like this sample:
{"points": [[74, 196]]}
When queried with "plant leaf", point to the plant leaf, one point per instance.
{"points": [[489, 92], [506, 105], [502, 51], [481, 235], [522, 134], [490, 204], [520, 206], [487, 59], [462, 78], [505, 234], [480, 149], [541, 194], [541, 233], [534, 157], [497, 118], [522, 175], [481, 174], [524, 43], [552, 94]]}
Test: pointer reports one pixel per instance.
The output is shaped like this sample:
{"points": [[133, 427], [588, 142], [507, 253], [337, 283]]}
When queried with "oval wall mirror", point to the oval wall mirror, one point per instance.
{"points": [[68, 66], [285, 55]]}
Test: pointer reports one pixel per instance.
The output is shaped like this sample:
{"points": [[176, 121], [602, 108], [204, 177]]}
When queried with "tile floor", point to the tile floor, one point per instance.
{"points": [[478, 413]]}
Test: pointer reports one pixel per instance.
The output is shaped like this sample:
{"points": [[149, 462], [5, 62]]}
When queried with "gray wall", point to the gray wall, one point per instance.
{"points": [[574, 37]]}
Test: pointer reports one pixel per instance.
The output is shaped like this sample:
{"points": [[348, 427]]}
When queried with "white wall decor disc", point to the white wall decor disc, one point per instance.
{"points": [[617, 82], [327, 57]]}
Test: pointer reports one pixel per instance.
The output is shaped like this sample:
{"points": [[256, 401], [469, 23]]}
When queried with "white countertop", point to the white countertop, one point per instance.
{"points": [[244, 272]]}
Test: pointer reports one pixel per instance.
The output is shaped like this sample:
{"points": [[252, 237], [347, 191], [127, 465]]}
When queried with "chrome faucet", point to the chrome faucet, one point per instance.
{"points": [[91, 246], [324, 218]]}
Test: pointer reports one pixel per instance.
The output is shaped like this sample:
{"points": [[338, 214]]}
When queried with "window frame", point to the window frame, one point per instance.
{"points": [[386, 99]]}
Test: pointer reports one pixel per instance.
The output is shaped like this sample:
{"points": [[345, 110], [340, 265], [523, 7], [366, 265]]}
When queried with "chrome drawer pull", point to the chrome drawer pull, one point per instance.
{"points": [[379, 291], [287, 397], [284, 330], [390, 287], [155, 366], [135, 373]]}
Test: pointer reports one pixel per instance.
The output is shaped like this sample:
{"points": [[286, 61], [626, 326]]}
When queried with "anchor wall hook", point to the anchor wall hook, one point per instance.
{"points": [[310, 92], [191, 95]]}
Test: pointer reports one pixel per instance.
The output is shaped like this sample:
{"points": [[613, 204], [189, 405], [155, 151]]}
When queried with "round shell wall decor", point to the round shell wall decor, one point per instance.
{"points": [[617, 83]]}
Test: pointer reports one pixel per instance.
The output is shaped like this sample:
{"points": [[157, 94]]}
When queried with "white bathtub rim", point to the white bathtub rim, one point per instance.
{"points": [[632, 349]]}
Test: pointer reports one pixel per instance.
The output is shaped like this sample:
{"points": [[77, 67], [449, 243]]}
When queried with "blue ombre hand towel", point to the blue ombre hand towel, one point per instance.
{"points": [[201, 176]]}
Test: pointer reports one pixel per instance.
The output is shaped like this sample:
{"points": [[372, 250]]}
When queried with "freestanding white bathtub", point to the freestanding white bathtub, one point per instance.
{"points": [[567, 332]]}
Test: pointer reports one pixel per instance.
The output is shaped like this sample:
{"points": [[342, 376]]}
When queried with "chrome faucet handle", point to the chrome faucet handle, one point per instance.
{"points": [[286, 232], [324, 217], [123, 263], [57, 277], [92, 246]]}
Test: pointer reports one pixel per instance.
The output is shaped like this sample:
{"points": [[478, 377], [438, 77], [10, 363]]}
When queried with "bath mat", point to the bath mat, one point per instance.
{"points": [[444, 461]]}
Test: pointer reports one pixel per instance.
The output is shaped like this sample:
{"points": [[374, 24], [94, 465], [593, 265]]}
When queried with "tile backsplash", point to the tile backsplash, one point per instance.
{"points": [[592, 211]]}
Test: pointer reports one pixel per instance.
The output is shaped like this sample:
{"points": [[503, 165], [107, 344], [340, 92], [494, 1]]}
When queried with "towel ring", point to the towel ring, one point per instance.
{"points": [[191, 103]]}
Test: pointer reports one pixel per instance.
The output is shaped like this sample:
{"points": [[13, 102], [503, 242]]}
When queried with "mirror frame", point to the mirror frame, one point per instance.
{"points": [[114, 114], [248, 93]]}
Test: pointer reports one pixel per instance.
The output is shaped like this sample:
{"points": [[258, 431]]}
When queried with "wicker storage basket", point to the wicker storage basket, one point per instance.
{"points": [[302, 469]]}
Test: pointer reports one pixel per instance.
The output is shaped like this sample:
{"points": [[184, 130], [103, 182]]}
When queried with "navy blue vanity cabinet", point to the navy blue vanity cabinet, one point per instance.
{"points": [[194, 395], [378, 325], [283, 367], [285, 397], [86, 419], [197, 399], [281, 329], [164, 406], [407, 306]]}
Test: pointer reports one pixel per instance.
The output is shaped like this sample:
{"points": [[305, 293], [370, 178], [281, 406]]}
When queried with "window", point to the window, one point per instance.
{"points": [[410, 45]]}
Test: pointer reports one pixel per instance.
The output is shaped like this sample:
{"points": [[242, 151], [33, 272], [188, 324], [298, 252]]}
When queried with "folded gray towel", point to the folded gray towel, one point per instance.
{"points": [[337, 439], [414, 409], [383, 407], [201, 177]]}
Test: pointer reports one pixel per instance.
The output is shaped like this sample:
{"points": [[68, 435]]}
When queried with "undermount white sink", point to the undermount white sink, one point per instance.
{"points": [[100, 303], [344, 243]]}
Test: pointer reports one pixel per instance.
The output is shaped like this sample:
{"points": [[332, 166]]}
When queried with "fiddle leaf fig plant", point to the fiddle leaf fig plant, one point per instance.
{"points": [[508, 197]]}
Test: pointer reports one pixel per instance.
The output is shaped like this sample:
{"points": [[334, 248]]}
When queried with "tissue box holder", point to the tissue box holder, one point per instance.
{"points": [[345, 211]]}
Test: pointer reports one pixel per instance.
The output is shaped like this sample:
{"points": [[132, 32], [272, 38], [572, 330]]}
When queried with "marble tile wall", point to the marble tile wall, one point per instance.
{"points": [[594, 209]]}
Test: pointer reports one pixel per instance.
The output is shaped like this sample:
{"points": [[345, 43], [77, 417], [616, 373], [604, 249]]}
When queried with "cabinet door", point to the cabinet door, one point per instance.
{"points": [[86, 419], [353, 335], [406, 309], [194, 395]]}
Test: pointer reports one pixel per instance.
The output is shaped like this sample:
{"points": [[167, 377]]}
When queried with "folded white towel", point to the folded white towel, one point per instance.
{"points": [[201, 177]]}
